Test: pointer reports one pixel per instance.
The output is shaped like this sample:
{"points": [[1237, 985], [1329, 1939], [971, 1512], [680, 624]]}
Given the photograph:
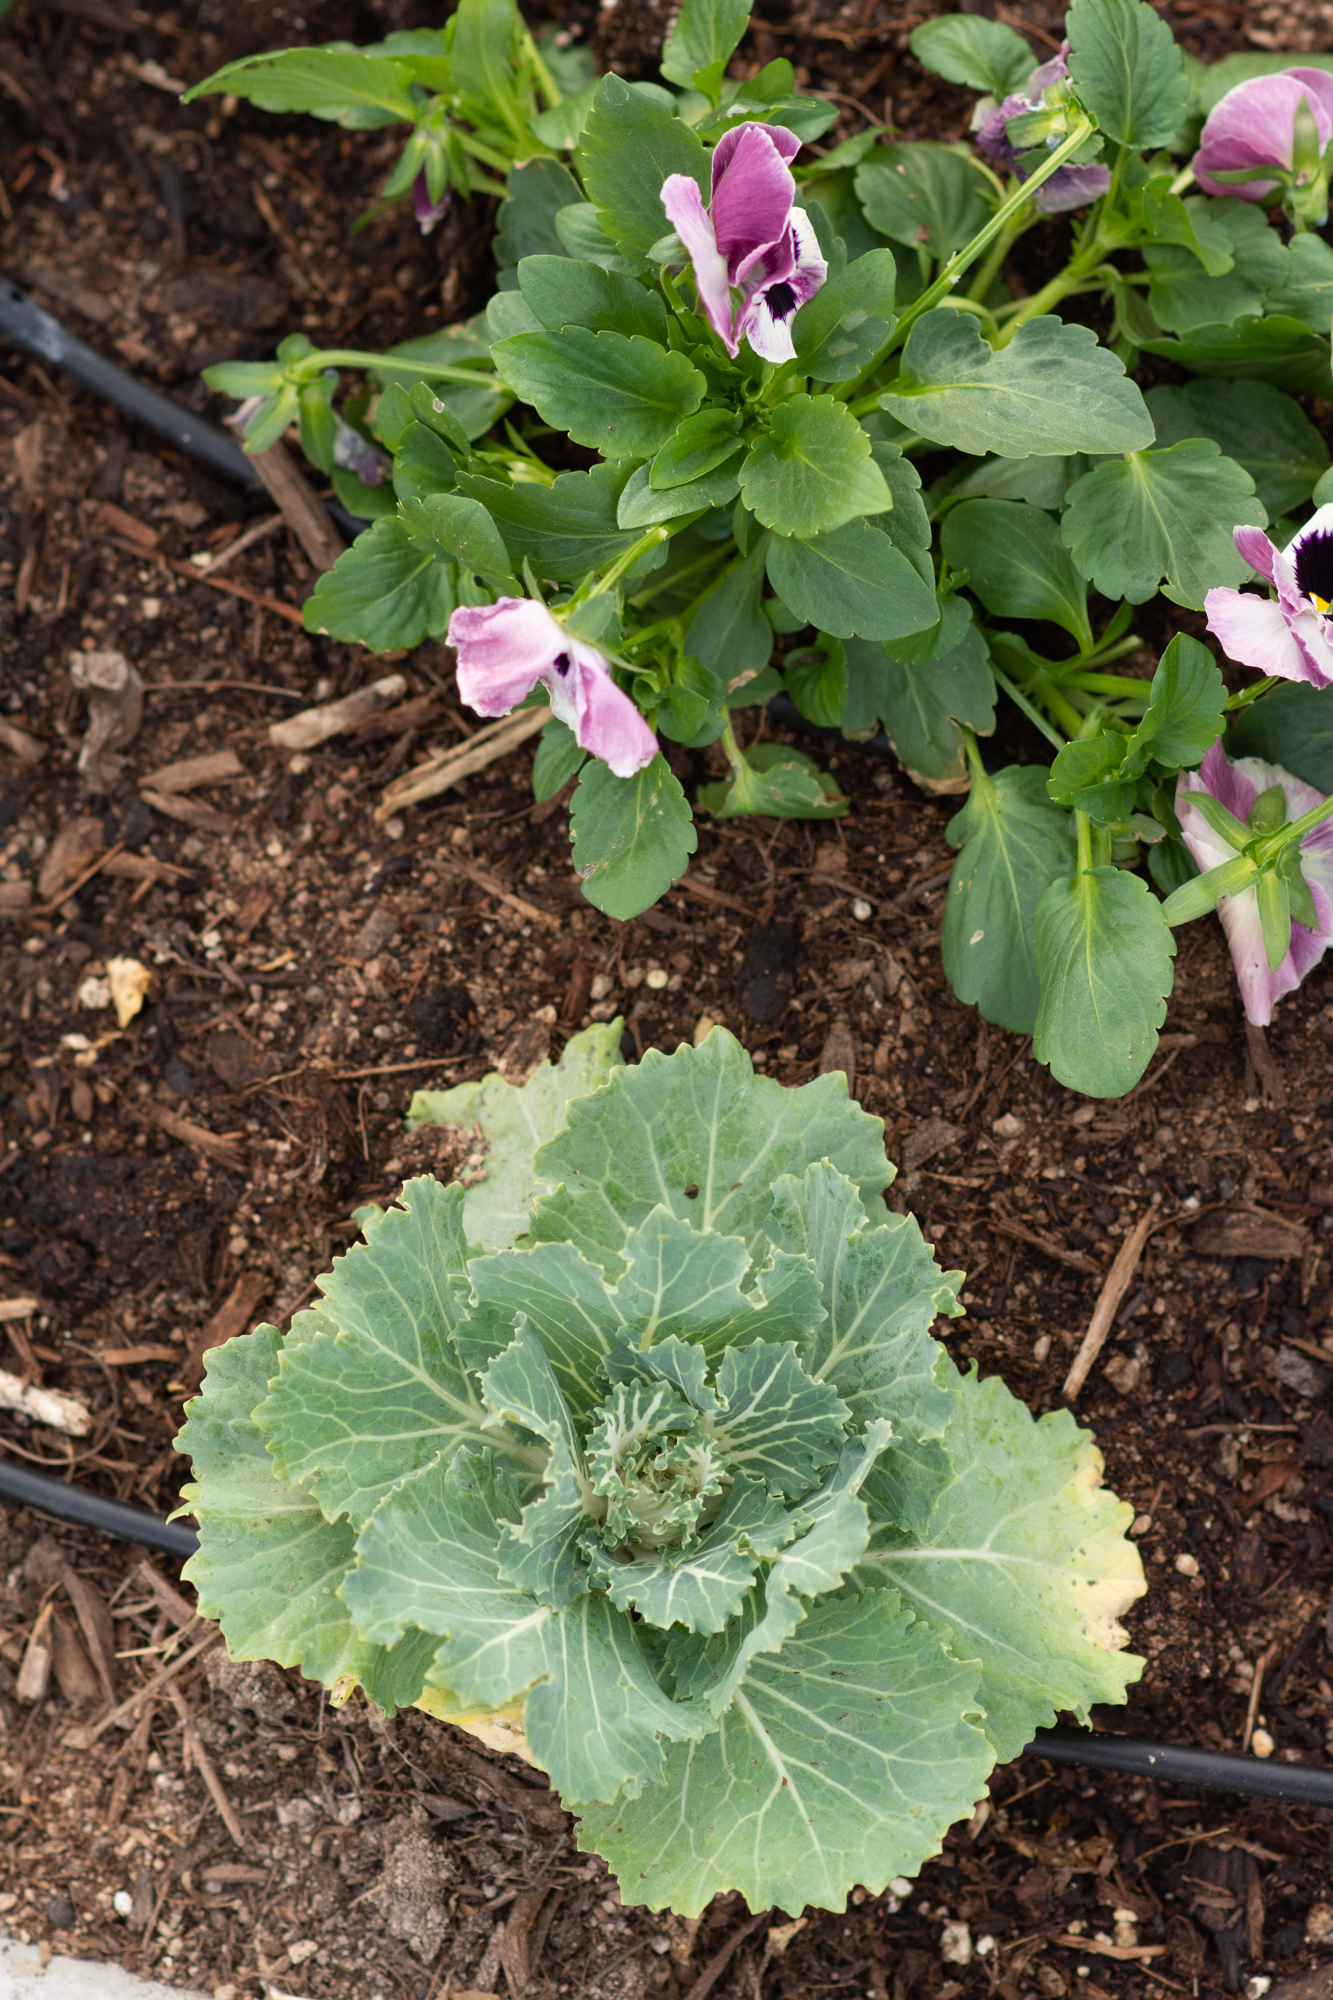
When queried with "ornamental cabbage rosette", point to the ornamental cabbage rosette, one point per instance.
{"points": [[676, 1484]]}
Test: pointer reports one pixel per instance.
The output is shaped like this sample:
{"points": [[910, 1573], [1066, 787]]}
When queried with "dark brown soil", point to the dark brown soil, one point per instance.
{"points": [[311, 970]]}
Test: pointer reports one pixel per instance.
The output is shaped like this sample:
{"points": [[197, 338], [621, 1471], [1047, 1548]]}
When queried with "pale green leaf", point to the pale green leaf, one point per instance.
{"points": [[514, 1122], [925, 195], [1128, 70], [632, 837], [1162, 514], [1004, 1536], [621, 397], [355, 1412], [386, 592], [1017, 564], [967, 48], [700, 1120], [1266, 433], [1014, 843], [1104, 953], [882, 1288], [269, 1566], [778, 1425], [811, 470], [840, 1763]]}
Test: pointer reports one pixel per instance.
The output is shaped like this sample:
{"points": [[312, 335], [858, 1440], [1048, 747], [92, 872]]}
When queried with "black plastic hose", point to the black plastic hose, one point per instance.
{"points": [[1211, 1770], [34, 330], [91, 1510]]}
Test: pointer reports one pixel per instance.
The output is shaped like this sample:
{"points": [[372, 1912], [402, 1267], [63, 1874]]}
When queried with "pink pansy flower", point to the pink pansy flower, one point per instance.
{"points": [[427, 212], [1236, 786], [1068, 187], [751, 239], [1255, 126], [1290, 636], [504, 649]]}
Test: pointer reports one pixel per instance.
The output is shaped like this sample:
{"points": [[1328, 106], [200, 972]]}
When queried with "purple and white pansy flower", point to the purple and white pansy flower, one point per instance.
{"points": [[1237, 786], [426, 211], [1291, 635], [755, 256], [1068, 187], [504, 649]]}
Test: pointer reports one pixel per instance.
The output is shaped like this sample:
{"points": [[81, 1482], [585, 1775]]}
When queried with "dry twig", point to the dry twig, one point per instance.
{"points": [[1103, 1313], [496, 740], [84, 1738], [203, 1764]]}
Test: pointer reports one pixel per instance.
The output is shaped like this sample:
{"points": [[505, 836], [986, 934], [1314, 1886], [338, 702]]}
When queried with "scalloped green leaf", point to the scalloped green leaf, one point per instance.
{"points": [[515, 1121], [841, 1762], [355, 1411], [1004, 1535], [699, 1120], [269, 1565], [779, 1426]]}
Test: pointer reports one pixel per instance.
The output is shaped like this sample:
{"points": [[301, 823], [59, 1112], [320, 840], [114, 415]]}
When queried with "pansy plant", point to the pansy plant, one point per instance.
{"points": [[754, 339]]}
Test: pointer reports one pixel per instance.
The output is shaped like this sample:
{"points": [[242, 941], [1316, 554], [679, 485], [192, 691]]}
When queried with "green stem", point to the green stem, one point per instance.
{"points": [[354, 357], [1249, 694], [1070, 719], [1083, 829], [627, 559], [1265, 852], [481, 151], [1033, 714], [1118, 686], [990, 270]]}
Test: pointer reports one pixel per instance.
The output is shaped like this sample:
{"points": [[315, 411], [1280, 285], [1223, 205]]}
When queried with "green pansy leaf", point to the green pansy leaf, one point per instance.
{"points": [[1277, 349], [563, 530], [621, 397], [1042, 482], [1186, 713], [462, 531], [1182, 296], [1266, 433], [919, 688], [385, 592], [811, 471], [535, 193], [1003, 1535], [422, 464], [851, 583], [1104, 953], [882, 1289], [1291, 726], [563, 124], [325, 81], [1052, 390], [563, 292], [1161, 514], [582, 235], [559, 757], [269, 1565], [1017, 564], [641, 503], [700, 443], [703, 36], [849, 321], [729, 634], [628, 149], [779, 782], [633, 837], [967, 48], [925, 195], [715, 1128], [1127, 70], [1014, 843], [482, 53], [1306, 293], [908, 524], [515, 1120], [509, 313]]}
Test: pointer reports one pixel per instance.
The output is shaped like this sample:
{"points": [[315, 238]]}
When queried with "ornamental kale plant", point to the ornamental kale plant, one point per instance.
{"points": [[637, 1456], [749, 417]]}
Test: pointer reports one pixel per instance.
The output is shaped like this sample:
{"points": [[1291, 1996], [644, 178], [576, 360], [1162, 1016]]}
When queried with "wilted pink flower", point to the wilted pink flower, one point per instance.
{"points": [[504, 649], [354, 453], [1255, 126], [1291, 637], [1236, 786], [751, 239], [427, 212], [1068, 187]]}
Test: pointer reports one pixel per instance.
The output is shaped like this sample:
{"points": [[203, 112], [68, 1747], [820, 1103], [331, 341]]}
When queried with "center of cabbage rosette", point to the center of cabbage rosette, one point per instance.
{"points": [[650, 1458]]}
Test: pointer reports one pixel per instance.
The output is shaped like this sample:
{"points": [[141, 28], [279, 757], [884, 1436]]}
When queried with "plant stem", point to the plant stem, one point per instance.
{"points": [[1083, 829], [354, 357], [1033, 714], [1247, 695], [1267, 851]]}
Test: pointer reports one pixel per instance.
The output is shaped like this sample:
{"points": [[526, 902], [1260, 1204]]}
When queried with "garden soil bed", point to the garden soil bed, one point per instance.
{"points": [[166, 1185]]}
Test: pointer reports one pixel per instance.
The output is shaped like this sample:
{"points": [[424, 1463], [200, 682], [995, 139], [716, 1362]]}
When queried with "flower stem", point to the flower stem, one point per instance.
{"points": [[1033, 714], [354, 357], [1249, 694], [1267, 851], [1083, 829]]}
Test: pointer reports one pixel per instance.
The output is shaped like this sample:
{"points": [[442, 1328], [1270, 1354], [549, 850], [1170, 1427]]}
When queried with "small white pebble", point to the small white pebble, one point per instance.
{"points": [[299, 764], [985, 1945], [602, 984], [122, 1902], [861, 910], [395, 828], [900, 1886], [956, 1943], [1262, 1744], [1041, 1347], [661, 1944], [1187, 1565], [151, 607], [1256, 1988], [657, 978]]}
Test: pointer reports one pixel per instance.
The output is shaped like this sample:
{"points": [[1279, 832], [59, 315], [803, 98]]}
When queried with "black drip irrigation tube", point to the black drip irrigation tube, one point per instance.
{"points": [[36, 332], [1208, 1770]]}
